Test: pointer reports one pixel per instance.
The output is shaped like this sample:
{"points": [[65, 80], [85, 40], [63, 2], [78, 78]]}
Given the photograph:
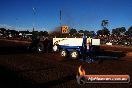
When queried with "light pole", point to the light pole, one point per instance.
{"points": [[34, 12], [60, 17], [16, 23]]}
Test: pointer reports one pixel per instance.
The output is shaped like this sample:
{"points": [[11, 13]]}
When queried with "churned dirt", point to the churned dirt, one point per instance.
{"points": [[20, 68]]}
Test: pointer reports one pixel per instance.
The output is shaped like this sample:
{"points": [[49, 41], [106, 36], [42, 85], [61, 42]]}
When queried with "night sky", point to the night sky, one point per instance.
{"points": [[79, 14]]}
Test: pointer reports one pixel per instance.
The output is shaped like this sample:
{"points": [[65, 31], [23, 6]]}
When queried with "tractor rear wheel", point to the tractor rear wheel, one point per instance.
{"points": [[74, 54]]}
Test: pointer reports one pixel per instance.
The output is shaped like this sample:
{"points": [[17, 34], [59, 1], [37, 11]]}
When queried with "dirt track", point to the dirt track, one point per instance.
{"points": [[22, 69]]}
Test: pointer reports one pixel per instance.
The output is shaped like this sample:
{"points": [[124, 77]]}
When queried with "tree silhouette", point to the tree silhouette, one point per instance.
{"points": [[99, 32], [73, 31], [104, 24], [92, 33], [103, 32], [81, 31], [129, 32], [130, 29], [119, 31]]}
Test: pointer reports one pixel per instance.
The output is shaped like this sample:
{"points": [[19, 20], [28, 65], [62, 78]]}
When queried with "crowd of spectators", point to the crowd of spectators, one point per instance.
{"points": [[116, 39]]}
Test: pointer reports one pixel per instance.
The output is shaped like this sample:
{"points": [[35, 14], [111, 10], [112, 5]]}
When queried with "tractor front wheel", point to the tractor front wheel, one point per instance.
{"points": [[40, 48], [63, 53]]}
